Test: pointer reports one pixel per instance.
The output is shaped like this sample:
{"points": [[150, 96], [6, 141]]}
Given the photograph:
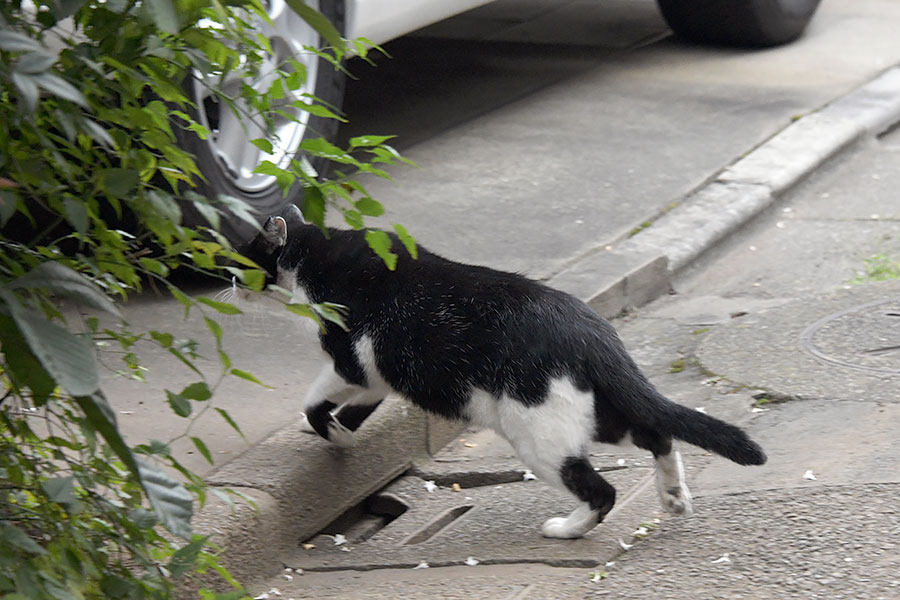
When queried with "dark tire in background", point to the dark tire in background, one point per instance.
{"points": [[227, 158], [747, 23]]}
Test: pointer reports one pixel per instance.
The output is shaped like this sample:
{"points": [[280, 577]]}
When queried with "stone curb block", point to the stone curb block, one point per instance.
{"points": [[737, 194]]}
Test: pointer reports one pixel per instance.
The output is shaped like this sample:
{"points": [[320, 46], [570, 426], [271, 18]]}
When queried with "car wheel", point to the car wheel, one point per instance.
{"points": [[227, 158], [753, 23]]}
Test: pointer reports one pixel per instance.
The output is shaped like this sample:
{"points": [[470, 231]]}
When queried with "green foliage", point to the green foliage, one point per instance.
{"points": [[93, 102], [879, 267]]}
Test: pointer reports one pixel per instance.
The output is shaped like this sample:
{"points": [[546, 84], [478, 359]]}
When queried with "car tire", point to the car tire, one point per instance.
{"points": [[226, 158], [747, 23]]}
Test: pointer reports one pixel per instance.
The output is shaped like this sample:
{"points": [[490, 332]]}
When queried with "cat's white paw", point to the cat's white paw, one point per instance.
{"points": [[560, 528], [305, 427], [677, 500], [340, 435]]}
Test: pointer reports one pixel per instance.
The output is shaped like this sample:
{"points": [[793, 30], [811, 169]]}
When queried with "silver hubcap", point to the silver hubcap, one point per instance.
{"points": [[231, 133]]}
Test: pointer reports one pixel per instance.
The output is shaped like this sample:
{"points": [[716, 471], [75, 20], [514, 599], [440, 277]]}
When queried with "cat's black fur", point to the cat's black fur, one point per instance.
{"points": [[440, 331]]}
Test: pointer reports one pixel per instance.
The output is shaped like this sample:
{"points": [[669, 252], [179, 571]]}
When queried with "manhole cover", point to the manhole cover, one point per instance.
{"points": [[865, 337]]}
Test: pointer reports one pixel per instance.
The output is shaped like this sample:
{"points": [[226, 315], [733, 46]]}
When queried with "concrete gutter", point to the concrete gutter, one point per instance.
{"points": [[300, 484]]}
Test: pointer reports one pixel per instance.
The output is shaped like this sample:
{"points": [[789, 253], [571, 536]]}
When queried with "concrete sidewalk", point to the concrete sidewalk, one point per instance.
{"points": [[783, 330], [297, 498], [564, 162]]}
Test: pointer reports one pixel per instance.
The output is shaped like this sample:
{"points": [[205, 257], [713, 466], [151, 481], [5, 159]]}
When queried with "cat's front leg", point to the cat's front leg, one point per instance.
{"points": [[326, 393]]}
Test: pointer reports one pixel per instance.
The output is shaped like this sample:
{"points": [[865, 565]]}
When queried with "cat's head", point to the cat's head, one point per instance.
{"points": [[265, 248]]}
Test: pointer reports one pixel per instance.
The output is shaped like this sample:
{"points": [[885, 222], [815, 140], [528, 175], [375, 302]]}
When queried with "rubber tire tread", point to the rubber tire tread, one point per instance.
{"points": [[740, 23]]}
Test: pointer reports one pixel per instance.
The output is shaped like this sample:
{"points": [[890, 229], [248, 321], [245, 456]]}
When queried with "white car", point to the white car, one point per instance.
{"points": [[228, 159]]}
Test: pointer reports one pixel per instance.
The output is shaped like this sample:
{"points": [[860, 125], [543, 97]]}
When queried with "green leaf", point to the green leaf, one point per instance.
{"points": [[119, 183], [60, 87], [408, 241], [101, 417], [12, 41], [66, 282], [76, 214], [215, 328], [317, 21], [332, 312], [225, 308], [380, 242], [28, 88], [366, 141], [186, 302], [201, 447], [240, 209], [263, 144], [197, 391], [164, 15], [180, 405], [254, 279], [143, 518], [305, 310], [154, 266], [9, 202], [34, 62], [26, 370], [14, 536], [68, 358], [313, 206], [172, 504], [162, 338], [62, 491], [318, 110], [184, 559], [369, 207], [229, 420], [247, 376], [163, 205]]}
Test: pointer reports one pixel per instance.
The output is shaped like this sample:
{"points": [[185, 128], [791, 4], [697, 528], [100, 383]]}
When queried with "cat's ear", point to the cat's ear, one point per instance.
{"points": [[275, 231], [292, 215]]}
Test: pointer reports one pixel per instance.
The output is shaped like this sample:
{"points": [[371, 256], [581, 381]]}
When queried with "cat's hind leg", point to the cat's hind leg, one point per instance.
{"points": [[596, 494], [674, 494], [553, 438]]}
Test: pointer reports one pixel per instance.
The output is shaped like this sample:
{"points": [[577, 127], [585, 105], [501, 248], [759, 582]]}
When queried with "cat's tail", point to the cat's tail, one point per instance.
{"points": [[656, 412]]}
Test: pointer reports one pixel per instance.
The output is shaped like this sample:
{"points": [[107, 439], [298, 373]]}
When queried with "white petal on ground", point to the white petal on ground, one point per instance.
{"points": [[421, 565], [430, 486], [640, 531], [471, 561], [528, 476], [722, 559], [758, 409], [621, 462], [263, 596], [610, 563], [345, 549], [701, 409], [339, 539], [624, 546], [809, 475]]}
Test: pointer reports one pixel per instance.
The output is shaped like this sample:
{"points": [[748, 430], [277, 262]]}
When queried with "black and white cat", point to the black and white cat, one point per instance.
{"points": [[491, 348]]}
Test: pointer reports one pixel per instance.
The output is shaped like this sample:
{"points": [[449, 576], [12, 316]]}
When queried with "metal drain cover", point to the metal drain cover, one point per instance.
{"points": [[842, 346], [865, 337]]}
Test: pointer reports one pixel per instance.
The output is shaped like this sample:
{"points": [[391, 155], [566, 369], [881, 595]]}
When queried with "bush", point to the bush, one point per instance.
{"points": [[90, 96]]}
